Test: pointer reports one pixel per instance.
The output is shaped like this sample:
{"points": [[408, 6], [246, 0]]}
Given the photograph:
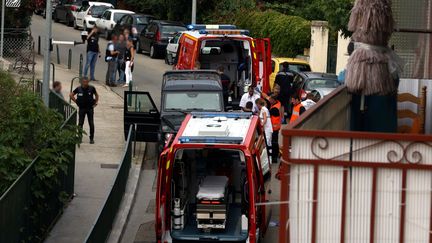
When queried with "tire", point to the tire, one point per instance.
{"points": [[70, 23], [75, 26], [153, 51], [106, 35]]}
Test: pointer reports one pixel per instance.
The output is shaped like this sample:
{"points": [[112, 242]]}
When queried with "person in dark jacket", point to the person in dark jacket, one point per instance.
{"points": [[87, 99], [93, 53]]}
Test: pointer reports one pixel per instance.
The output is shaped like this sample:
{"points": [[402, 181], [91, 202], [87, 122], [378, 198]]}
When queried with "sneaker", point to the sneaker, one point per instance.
{"points": [[91, 141]]}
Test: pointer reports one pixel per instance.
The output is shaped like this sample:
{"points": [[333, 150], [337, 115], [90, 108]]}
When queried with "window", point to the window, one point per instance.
{"points": [[170, 30], [107, 15], [190, 101], [297, 67], [118, 16], [97, 10], [314, 84], [140, 103], [141, 20], [273, 66], [122, 21]]}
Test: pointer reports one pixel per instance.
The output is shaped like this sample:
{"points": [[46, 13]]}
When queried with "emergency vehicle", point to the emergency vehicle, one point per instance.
{"points": [[246, 60], [213, 177]]}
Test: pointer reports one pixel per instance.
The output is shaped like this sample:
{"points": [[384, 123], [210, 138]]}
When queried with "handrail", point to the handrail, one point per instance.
{"points": [[103, 223]]}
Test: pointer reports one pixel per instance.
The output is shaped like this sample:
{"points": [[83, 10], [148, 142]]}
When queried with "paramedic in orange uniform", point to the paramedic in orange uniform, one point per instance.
{"points": [[276, 117], [298, 108]]}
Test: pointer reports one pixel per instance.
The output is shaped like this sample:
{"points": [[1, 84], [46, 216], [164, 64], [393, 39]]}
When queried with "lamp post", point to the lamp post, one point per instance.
{"points": [[47, 54], [194, 6]]}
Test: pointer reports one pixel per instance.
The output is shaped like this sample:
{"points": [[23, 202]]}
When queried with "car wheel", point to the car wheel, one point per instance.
{"points": [[70, 23], [153, 53], [75, 25]]}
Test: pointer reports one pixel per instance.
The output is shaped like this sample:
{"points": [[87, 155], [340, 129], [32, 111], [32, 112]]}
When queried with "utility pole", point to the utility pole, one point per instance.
{"points": [[47, 54], [2, 28], [194, 7]]}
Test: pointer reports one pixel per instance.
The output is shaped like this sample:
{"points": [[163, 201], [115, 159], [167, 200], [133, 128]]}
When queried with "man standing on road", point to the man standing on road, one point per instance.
{"points": [[121, 48], [92, 53], [283, 82], [87, 99], [111, 58]]}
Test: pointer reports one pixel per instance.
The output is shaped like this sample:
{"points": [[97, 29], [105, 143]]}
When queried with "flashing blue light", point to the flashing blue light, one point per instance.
{"points": [[211, 27], [235, 115], [211, 140]]}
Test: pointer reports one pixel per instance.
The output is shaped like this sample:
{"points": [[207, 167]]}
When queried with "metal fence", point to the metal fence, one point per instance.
{"points": [[15, 221], [18, 49], [104, 222]]}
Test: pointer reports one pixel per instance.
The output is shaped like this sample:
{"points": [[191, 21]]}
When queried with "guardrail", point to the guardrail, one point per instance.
{"points": [[15, 220], [104, 222]]}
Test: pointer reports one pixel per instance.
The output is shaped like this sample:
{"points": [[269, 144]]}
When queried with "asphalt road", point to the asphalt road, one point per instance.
{"points": [[147, 75]]}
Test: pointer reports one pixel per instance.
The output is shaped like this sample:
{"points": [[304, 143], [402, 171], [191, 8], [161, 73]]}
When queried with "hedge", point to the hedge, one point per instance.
{"points": [[289, 35]]}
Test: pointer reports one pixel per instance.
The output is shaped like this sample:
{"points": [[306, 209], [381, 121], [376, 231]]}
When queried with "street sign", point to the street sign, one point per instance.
{"points": [[13, 3]]}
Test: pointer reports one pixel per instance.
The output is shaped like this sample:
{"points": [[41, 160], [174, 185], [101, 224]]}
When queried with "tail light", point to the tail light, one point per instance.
{"points": [[158, 36], [134, 31], [73, 8]]}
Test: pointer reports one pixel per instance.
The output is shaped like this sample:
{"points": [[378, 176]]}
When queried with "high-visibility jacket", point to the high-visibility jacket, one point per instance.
{"points": [[296, 112], [276, 120]]}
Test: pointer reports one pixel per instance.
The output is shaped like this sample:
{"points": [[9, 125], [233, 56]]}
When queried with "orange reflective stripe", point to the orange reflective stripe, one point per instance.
{"points": [[296, 113], [276, 120]]}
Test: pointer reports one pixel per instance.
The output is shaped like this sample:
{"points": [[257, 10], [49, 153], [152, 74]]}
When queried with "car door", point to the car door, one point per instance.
{"points": [[148, 36], [141, 111], [173, 45], [82, 12], [120, 24]]}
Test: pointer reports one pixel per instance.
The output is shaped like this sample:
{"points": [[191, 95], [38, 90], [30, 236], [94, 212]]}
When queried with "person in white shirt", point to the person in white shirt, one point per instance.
{"points": [[309, 101], [249, 96], [264, 116]]}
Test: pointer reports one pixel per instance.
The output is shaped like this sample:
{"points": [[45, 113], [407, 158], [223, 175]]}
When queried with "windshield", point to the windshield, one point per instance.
{"points": [[171, 30], [297, 67], [98, 10], [118, 16], [192, 101], [141, 20], [314, 84]]}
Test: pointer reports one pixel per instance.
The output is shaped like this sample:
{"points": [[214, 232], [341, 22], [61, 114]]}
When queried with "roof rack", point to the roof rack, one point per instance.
{"points": [[211, 139]]}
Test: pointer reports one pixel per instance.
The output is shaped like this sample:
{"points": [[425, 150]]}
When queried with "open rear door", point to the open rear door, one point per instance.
{"points": [[140, 109], [263, 63]]}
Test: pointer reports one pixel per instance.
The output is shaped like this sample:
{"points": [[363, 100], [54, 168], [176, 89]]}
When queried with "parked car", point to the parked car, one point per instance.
{"points": [[294, 64], [109, 19], [135, 23], [41, 8], [88, 14], [172, 47], [66, 10], [319, 84], [154, 39]]}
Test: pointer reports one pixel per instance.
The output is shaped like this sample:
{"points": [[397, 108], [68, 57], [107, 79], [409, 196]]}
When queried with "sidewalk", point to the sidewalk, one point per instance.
{"points": [[95, 165]]}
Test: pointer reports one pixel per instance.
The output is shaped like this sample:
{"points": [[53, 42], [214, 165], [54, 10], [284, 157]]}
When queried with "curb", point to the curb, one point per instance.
{"points": [[128, 200]]}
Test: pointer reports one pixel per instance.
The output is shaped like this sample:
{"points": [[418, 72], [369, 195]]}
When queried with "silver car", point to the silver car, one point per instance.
{"points": [[319, 84]]}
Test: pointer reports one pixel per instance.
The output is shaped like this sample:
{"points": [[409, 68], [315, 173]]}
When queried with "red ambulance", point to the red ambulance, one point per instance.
{"points": [[245, 60], [213, 178]]}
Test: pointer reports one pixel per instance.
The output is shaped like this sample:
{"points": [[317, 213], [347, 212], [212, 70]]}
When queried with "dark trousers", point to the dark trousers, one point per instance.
{"points": [[275, 146], [82, 114]]}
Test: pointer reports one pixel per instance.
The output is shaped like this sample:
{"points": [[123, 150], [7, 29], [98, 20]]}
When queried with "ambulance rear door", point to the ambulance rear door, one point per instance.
{"points": [[262, 63], [141, 111]]}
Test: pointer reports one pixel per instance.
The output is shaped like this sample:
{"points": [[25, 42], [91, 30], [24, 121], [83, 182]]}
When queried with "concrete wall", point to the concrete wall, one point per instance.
{"points": [[319, 46], [342, 53]]}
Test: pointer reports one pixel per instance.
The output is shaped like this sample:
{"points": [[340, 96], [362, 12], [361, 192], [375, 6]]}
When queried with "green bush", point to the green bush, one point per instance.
{"points": [[289, 35], [28, 130]]}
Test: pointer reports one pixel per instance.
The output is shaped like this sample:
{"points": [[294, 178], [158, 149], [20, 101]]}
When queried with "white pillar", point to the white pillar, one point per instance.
{"points": [[319, 46], [342, 52]]}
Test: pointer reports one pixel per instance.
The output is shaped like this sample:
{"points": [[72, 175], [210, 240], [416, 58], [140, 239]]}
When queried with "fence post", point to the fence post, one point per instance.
{"points": [[130, 96], [53, 72], [70, 59], [39, 45], [81, 66], [58, 54]]}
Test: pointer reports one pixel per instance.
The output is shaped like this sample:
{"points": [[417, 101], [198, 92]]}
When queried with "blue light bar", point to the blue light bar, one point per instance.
{"points": [[211, 27], [211, 140], [224, 32], [235, 115]]}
